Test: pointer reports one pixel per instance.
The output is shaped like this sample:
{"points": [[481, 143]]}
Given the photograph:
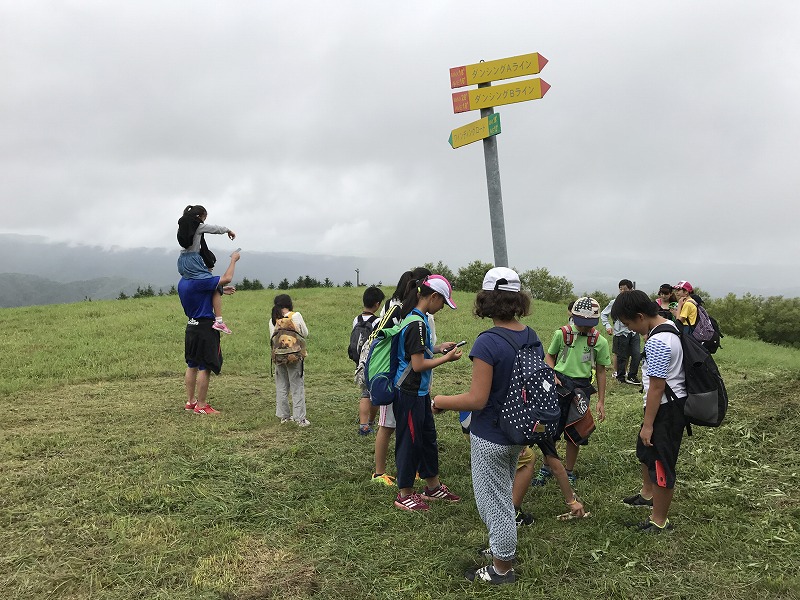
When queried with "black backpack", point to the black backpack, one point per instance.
{"points": [[361, 331], [713, 344], [530, 411], [707, 399]]}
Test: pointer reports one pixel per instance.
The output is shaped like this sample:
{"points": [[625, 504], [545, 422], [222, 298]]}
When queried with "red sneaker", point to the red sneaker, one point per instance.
{"points": [[440, 493], [410, 502], [189, 405], [206, 410]]}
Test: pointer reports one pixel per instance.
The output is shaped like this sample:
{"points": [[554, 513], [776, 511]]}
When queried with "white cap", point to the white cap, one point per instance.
{"points": [[441, 286], [501, 278]]}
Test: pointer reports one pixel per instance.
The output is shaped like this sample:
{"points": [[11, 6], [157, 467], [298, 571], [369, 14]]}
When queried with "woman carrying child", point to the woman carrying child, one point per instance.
{"points": [[494, 457]]}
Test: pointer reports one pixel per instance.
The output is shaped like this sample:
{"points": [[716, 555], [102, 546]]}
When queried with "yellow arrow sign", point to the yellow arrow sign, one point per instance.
{"points": [[497, 95], [477, 130], [493, 70]]}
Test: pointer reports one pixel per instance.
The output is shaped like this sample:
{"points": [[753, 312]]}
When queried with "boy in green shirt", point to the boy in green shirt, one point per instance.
{"points": [[573, 361]]}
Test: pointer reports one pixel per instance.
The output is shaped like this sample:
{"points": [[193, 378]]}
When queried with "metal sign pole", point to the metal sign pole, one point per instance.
{"points": [[495, 193]]}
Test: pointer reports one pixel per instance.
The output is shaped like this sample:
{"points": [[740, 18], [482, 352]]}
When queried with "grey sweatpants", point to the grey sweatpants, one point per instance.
{"points": [[289, 379], [493, 470]]}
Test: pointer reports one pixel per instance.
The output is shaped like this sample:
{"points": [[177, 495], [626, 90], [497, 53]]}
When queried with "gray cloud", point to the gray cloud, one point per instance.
{"points": [[324, 130]]}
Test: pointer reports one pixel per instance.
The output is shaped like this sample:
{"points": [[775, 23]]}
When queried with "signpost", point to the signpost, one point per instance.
{"points": [[477, 130], [485, 98], [507, 93], [494, 70]]}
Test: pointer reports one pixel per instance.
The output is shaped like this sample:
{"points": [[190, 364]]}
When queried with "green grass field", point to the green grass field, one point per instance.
{"points": [[110, 490]]}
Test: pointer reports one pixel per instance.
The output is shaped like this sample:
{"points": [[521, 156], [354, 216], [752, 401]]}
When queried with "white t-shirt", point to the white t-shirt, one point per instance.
{"points": [[664, 359]]}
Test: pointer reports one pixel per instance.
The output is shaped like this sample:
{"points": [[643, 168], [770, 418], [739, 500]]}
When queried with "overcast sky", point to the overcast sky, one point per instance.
{"points": [[666, 148]]}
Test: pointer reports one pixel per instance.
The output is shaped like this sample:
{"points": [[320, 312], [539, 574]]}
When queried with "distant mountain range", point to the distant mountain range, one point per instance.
{"points": [[42, 272]]}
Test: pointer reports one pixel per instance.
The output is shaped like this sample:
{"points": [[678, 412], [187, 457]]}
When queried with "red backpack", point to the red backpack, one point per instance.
{"points": [[569, 339]]}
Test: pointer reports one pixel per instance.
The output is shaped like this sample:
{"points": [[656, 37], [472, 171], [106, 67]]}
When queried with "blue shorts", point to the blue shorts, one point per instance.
{"points": [[193, 365]]}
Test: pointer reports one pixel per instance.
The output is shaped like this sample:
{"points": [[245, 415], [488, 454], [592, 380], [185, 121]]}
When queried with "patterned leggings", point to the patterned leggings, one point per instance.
{"points": [[493, 470]]}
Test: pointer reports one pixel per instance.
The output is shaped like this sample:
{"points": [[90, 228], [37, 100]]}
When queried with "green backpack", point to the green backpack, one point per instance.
{"points": [[380, 368]]}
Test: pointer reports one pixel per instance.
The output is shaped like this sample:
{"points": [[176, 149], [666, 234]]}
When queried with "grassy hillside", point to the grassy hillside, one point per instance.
{"points": [[111, 491]]}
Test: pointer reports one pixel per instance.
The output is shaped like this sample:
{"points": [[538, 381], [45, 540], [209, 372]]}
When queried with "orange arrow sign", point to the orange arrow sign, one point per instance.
{"points": [[497, 95], [494, 70]]}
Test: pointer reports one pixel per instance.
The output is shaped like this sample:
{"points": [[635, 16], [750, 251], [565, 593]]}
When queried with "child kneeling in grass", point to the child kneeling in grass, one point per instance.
{"points": [[663, 424]]}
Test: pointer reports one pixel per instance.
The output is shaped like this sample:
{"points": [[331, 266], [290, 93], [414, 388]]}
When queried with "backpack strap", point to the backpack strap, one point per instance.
{"points": [[504, 333], [671, 396], [385, 320], [569, 337], [410, 318]]}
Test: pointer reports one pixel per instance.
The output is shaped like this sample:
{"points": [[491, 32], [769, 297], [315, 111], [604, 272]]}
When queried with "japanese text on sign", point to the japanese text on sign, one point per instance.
{"points": [[504, 68]]}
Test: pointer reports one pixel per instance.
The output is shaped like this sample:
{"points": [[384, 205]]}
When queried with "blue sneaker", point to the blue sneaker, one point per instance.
{"points": [[541, 477], [572, 478], [364, 430]]}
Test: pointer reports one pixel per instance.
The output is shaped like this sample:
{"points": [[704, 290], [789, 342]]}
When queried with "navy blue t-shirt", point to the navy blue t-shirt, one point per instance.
{"points": [[494, 350], [196, 296]]}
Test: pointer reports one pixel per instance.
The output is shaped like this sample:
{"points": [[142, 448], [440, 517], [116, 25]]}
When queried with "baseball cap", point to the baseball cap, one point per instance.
{"points": [[501, 278], [441, 286], [665, 288], [586, 312], [684, 285]]}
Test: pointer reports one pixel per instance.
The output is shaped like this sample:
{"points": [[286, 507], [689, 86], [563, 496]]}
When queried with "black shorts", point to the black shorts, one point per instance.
{"points": [[668, 429], [548, 448], [202, 346]]}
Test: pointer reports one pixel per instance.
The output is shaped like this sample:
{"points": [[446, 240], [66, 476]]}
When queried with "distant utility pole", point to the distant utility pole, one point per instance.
{"points": [[358, 283]]}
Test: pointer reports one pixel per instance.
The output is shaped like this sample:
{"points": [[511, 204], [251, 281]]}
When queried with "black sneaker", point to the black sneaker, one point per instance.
{"points": [[648, 526], [637, 500], [633, 381], [524, 519], [489, 575]]}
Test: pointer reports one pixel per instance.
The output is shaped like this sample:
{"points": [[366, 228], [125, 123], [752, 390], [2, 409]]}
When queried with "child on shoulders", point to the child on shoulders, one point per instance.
{"points": [[196, 260]]}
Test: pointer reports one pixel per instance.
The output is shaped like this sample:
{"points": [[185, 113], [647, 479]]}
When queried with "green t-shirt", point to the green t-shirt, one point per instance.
{"points": [[577, 361]]}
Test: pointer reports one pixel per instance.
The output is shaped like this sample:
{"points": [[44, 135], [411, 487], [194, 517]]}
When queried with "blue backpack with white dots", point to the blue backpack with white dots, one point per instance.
{"points": [[530, 411]]}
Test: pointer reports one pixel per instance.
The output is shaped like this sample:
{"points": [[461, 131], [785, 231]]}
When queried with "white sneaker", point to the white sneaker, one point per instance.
{"points": [[303, 423], [283, 421]]}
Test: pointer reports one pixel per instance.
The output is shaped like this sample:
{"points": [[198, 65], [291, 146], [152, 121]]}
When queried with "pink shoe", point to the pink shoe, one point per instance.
{"points": [[206, 410], [220, 326], [440, 493], [410, 502]]}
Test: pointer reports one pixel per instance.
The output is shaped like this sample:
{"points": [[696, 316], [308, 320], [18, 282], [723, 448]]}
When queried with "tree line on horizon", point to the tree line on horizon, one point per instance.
{"points": [[774, 319]]}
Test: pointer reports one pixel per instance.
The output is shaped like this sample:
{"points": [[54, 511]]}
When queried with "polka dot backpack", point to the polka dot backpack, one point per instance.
{"points": [[530, 411]]}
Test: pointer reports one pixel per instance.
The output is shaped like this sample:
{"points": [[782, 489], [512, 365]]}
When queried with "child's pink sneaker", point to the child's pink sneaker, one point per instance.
{"points": [[220, 326], [440, 493], [410, 502]]}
